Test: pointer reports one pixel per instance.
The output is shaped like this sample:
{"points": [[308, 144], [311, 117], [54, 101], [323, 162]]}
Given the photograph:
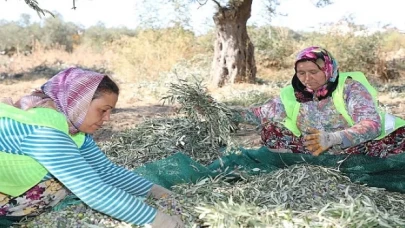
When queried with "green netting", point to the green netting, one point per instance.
{"points": [[388, 173], [176, 169], [5, 223], [68, 201]]}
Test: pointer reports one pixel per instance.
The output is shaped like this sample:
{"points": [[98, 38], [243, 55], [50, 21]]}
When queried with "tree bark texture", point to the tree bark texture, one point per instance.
{"points": [[233, 50]]}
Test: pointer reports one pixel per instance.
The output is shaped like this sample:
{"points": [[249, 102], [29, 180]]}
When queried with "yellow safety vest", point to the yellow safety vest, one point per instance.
{"points": [[18, 173]]}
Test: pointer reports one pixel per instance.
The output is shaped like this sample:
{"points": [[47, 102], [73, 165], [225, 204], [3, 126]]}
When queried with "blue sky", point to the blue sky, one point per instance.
{"points": [[301, 14]]}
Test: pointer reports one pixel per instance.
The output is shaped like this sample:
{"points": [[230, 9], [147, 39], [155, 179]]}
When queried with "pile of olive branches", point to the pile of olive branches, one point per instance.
{"points": [[201, 128], [201, 108]]}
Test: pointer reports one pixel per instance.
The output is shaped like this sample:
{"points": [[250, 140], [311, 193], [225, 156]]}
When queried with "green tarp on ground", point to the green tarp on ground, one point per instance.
{"points": [[176, 169], [388, 173], [5, 223]]}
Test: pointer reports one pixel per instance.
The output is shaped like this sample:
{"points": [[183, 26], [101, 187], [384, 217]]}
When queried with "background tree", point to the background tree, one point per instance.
{"points": [[59, 33], [234, 59], [98, 36], [16, 36]]}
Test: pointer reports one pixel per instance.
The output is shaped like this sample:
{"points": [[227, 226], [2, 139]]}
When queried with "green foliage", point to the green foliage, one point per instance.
{"points": [[393, 40], [274, 45], [23, 34], [54, 32], [10, 32], [18, 34], [59, 33], [98, 36], [201, 108]]}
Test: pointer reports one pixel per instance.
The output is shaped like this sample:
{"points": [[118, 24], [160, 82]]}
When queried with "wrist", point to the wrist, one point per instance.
{"points": [[335, 138]]}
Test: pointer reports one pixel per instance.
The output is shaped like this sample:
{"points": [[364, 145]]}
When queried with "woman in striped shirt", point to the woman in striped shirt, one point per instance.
{"points": [[46, 135]]}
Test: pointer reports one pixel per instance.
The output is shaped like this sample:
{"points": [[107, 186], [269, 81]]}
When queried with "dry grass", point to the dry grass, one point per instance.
{"points": [[148, 54]]}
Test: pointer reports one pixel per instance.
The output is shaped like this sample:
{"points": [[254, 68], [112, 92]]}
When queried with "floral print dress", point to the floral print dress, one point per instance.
{"points": [[39, 198], [323, 115]]}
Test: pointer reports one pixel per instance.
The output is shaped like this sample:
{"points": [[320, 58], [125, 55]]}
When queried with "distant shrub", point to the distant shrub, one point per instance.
{"points": [[274, 45], [393, 40], [153, 51], [57, 33], [98, 36]]}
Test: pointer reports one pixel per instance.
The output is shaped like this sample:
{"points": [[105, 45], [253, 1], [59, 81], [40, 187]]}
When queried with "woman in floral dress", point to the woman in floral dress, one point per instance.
{"points": [[326, 110]]}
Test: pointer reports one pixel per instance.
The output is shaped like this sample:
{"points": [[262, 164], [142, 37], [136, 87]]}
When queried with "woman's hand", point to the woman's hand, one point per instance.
{"points": [[318, 141], [163, 220], [158, 192]]}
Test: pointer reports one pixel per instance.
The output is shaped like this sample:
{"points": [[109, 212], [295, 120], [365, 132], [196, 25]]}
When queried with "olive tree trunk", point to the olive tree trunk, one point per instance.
{"points": [[234, 52]]}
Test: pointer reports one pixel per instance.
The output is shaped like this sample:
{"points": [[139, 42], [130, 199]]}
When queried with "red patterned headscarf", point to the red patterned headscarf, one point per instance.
{"points": [[70, 92]]}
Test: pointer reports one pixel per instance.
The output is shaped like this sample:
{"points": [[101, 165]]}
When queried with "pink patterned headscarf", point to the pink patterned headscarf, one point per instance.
{"points": [[330, 67], [70, 92]]}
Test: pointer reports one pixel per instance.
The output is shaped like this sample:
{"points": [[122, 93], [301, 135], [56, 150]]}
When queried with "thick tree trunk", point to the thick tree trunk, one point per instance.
{"points": [[234, 52]]}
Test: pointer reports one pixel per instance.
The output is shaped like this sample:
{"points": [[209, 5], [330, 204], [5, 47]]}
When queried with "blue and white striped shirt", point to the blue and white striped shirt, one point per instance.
{"points": [[85, 171]]}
